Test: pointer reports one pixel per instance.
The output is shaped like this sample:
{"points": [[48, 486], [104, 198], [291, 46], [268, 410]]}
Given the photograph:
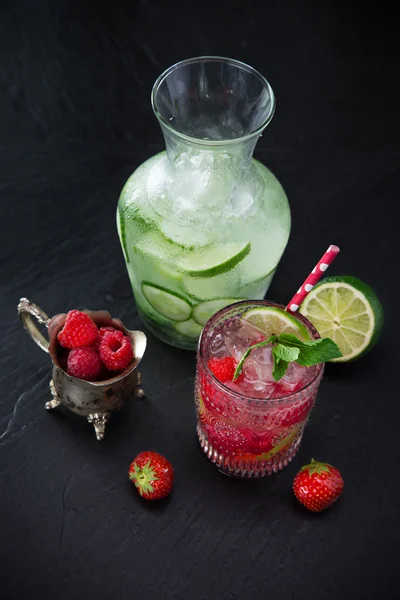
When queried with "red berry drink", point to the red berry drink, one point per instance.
{"points": [[252, 426]]}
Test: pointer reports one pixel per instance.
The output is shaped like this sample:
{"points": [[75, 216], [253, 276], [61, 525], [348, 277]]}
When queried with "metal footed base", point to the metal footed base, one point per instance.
{"points": [[97, 419], [99, 423], [51, 404]]}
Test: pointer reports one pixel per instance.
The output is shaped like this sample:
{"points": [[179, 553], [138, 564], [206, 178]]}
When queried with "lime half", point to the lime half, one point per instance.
{"points": [[346, 310], [214, 260], [166, 302], [271, 320]]}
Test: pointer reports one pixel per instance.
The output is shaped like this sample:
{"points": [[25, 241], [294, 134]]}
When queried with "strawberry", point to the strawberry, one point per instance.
{"points": [[318, 485], [152, 474], [224, 369]]}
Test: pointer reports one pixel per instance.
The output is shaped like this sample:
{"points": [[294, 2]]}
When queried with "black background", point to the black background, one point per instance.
{"points": [[76, 119]]}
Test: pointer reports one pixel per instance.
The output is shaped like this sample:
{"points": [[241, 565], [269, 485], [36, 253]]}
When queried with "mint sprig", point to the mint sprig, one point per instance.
{"points": [[287, 348]]}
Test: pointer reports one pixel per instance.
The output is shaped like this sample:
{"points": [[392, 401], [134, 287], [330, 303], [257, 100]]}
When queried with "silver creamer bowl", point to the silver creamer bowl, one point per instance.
{"points": [[95, 400]]}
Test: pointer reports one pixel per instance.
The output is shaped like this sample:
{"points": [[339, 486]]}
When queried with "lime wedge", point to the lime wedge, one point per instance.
{"points": [[189, 328], [214, 260], [202, 312], [346, 310], [269, 320], [166, 302]]}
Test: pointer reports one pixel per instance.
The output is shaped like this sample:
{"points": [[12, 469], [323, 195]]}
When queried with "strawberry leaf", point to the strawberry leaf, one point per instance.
{"points": [[317, 467]]}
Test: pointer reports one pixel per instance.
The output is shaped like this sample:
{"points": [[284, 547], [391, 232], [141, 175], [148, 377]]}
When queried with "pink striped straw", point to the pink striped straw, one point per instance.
{"points": [[313, 277]]}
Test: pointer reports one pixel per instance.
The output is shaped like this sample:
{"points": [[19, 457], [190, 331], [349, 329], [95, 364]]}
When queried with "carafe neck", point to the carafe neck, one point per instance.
{"points": [[231, 154]]}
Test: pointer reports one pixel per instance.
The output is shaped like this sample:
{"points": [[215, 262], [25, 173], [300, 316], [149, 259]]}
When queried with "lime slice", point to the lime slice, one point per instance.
{"points": [[269, 320], [121, 233], [189, 328], [202, 312], [155, 259], [347, 310], [155, 245], [167, 303], [214, 260]]}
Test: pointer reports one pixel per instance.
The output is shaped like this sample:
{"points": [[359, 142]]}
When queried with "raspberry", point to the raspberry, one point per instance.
{"points": [[104, 330], [223, 368], [100, 334], [116, 350], [78, 331], [84, 363]]}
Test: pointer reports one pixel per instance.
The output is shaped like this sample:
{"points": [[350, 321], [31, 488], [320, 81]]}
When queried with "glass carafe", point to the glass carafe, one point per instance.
{"points": [[203, 224]]}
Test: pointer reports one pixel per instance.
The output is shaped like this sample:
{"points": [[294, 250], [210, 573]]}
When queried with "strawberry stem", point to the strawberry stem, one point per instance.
{"points": [[143, 478], [316, 467]]}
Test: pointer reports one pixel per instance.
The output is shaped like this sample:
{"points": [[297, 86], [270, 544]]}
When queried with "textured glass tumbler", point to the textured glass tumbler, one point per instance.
{"points": [[248, 437]]}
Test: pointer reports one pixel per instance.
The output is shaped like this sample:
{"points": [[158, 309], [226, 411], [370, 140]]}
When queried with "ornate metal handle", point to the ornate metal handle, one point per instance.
{"points": [[27, 310]]}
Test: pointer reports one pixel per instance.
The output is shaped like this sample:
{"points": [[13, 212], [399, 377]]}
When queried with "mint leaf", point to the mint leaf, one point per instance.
{"points": [[313, 352], [287, 353], [291, 340], [279, 369], [322, 350]]}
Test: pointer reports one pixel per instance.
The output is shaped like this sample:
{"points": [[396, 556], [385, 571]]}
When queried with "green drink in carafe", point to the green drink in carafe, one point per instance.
{"points": [[203, 224]]}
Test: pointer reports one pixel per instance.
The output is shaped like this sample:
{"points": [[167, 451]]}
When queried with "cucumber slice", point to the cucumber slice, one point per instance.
{"points": [[166, 302], [214, 260], [121, 233], [189, 328], [202, 312]]}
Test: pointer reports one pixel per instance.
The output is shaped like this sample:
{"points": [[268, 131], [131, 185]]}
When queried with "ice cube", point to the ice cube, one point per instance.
{"points": [[234, 342], [260, 363], [295, 374], [239, 337], [250, 390], [217, 347]]}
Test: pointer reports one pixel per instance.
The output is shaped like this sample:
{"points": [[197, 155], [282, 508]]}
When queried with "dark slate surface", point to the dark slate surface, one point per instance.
{"points": [[75, 120]]}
